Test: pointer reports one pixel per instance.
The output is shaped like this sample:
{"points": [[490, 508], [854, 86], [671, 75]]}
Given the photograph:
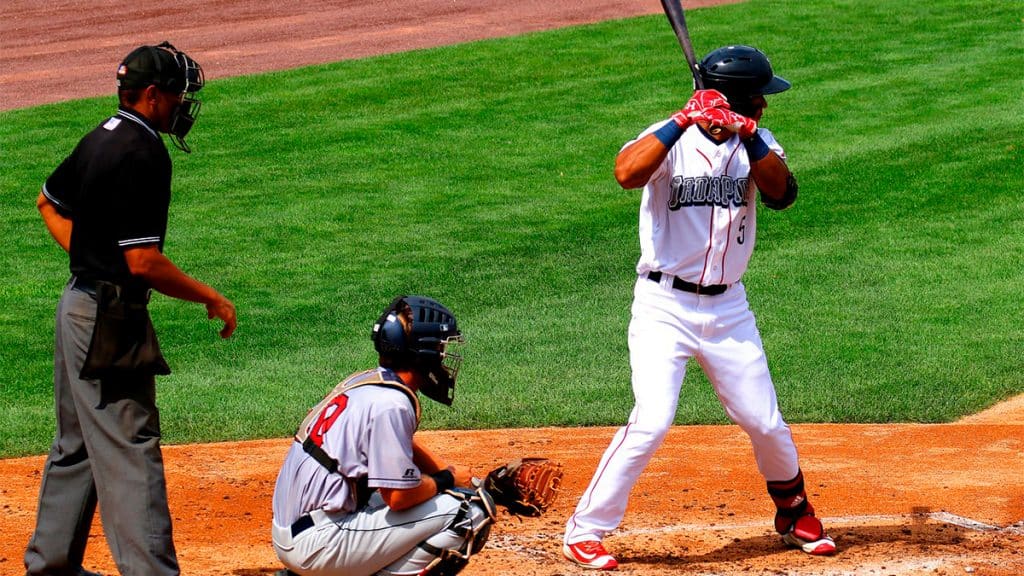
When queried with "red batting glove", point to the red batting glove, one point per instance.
{"points": [[701, 100], [729, 120], [682, 120], [704, 99]]}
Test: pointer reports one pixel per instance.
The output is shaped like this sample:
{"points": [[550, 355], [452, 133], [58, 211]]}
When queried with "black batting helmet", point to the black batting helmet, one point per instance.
{"points": [[416, 332], [740, 72]]}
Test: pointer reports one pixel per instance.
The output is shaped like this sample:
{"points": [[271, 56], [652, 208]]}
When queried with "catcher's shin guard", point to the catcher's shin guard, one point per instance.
{"points": [[795, 519]]}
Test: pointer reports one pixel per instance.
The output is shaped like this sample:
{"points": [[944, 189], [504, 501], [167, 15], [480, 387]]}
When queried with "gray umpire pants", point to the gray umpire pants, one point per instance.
{"points": [[106, 450]]}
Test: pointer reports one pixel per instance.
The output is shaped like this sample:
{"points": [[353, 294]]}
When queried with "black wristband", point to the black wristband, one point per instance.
{"points": [[756, 147], [444, 479]]}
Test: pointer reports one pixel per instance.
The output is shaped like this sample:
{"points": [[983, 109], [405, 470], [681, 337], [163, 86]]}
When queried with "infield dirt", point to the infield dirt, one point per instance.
{"points": [[899, 499]]}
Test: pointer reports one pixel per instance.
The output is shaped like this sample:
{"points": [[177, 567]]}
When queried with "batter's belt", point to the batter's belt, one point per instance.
{"points": [[684, 286]]}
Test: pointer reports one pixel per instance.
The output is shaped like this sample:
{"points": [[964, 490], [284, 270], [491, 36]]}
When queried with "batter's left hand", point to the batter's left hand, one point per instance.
{"points": [[704, 99]]}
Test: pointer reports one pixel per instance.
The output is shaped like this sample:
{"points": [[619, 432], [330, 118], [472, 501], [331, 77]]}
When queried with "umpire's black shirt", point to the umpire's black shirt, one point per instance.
{"points": [[116, 188]]}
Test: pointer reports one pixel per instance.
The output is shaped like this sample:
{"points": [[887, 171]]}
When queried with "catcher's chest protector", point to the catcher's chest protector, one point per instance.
{"points": [[334, 402]]}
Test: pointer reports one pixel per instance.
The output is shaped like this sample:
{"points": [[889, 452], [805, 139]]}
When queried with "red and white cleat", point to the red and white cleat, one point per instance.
{"points": [[590, 554], [809, 535]]}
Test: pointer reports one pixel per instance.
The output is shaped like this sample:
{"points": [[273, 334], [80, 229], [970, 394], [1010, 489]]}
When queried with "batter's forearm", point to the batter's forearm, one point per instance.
{"points": [[637, 162], [774, 180]]}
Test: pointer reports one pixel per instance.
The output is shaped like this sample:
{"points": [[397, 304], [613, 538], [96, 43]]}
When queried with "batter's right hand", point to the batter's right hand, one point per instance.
{"points": [[225, 310], [730, 120]]}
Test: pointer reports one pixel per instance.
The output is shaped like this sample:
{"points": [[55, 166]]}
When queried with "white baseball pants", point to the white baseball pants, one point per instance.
{"points": [[669, 327]]}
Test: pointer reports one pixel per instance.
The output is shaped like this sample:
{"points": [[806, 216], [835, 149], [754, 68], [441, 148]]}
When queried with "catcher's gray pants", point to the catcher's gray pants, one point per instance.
{"points": [[378, 540], [107, 448]]}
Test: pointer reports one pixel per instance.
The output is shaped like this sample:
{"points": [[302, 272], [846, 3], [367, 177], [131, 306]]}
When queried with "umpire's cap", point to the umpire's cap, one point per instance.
{"points": [[161, 65]]}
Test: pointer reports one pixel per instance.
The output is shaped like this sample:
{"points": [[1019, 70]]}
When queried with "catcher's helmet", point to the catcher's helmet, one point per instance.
{"points": [[416, 332], [740, 72]]}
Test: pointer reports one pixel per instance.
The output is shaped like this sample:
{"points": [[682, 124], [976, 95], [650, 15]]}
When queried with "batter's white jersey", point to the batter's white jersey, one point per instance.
{"points": [[698, 211]]}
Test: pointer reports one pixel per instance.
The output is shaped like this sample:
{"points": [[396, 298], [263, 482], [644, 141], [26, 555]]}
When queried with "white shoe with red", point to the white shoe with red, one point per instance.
{"points": [[809, 535], [590, 554]]}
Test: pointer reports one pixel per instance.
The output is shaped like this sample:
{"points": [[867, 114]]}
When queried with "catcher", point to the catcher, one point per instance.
{"points": [[358, 494]]}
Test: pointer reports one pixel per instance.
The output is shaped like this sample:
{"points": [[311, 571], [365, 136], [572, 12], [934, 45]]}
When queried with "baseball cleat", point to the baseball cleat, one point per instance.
{"points": [[809, 535], [820, 547], [590, 554]]}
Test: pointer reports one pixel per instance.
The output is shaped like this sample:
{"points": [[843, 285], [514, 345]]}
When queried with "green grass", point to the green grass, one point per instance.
{"points": [[480, 174]]}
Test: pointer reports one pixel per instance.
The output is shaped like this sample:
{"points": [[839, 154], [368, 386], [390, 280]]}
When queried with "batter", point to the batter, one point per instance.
{"points": [[700, 171]]}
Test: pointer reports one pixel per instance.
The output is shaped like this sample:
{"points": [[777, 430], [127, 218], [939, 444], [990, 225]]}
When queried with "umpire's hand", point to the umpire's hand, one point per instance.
{"points": [[165, 277], [224, 310]]}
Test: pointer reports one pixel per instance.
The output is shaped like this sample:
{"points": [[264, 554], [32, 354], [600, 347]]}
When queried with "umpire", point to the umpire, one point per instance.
{"points": [[106, 205]]}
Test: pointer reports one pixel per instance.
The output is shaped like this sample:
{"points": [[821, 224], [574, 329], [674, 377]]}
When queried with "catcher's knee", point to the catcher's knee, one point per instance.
{"points": [[451, 549], [475, 524], [446, 563]]}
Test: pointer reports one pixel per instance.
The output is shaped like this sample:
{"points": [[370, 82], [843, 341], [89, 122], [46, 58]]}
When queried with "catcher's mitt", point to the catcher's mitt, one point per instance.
{"points": [[526, 486]]}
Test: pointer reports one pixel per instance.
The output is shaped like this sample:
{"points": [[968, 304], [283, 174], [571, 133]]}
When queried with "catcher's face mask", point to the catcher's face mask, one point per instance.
{"points": [[439, 361]]}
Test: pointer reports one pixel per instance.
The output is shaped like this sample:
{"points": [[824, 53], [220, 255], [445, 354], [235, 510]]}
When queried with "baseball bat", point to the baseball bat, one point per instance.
{"points": [[674, 12]]}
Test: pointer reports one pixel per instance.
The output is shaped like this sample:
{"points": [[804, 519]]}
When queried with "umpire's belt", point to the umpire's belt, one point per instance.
{"points": [[680, 284], [83, 285], [90, 287]]}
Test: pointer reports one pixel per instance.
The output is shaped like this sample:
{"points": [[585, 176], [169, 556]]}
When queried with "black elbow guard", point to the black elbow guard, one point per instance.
{"points": [[788, 197]]}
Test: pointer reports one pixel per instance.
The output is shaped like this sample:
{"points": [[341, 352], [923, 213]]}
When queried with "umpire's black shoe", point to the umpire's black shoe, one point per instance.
{"points": [[285, 573]]}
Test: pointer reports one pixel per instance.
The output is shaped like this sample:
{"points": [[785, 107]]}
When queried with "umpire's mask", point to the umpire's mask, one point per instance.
{"points": [[172, 71]]}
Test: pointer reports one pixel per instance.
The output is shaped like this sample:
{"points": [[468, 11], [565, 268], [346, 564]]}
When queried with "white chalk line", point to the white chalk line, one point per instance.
{"points": [[941, 517], [518, 541], [535, 547]]}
